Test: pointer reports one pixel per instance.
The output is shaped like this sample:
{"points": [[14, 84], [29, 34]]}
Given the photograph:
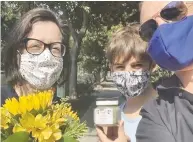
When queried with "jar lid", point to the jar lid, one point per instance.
{"points": [[107, 102]]}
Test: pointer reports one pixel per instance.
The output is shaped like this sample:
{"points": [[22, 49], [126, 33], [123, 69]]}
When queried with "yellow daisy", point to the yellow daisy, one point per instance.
{"points": [[5, 118], [34, 101]]}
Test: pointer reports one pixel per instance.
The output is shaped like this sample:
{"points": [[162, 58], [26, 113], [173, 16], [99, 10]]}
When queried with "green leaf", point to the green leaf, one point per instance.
{"points": [[68, 139], [18, 137]]}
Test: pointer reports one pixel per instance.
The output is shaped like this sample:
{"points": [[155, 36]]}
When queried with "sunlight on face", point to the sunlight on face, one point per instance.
{"points": [[132, 64], [45, 31], [150, 8]]}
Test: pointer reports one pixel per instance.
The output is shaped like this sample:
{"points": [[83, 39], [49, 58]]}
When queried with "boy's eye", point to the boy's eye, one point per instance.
{"points": [[119, 67], [137, 66]]}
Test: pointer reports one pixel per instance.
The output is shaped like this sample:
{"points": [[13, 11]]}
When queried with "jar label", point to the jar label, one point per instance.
{"points": [[103, 116]]}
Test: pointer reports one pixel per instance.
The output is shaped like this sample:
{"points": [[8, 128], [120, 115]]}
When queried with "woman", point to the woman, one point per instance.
{"points": [[33, 57]]}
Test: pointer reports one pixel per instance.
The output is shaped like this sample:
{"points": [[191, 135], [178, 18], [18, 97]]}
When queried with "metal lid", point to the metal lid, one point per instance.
{"points": [[110, 98], [107, 102]]}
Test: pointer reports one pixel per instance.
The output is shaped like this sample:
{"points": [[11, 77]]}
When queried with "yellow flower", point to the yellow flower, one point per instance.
{"points": [[39, 117], [30, 123], [50, 134], [34, 101], [5, 118], [39, 128], [69, 113], [12, 105], [57, 117], [64, 110]]}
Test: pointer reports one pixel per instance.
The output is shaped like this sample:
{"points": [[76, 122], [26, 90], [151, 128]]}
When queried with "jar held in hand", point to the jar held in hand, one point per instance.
{"points": [[107, 113]]}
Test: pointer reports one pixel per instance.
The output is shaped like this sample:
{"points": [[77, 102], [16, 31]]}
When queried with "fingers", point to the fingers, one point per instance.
{"points": [[101, 135], [114, 132], [128, 139], [121, 132], [105, 130]]}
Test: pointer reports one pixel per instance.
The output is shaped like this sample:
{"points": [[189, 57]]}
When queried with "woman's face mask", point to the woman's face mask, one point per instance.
{"points": [[41, 71], [131, 83]]}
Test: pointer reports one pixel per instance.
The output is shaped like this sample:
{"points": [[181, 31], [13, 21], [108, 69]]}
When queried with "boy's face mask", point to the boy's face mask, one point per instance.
{"points": [[131, 84]]}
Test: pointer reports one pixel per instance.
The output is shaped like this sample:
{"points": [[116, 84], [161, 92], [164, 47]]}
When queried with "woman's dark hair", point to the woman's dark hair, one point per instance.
{"points": [[14, 41]]}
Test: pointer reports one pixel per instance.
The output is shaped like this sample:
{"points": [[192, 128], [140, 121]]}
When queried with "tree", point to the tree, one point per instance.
{"points": [[104, 18], [10, 13], [77, 36]]}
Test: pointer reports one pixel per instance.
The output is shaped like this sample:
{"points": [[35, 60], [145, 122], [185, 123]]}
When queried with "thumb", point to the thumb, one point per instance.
{"points": [[121, 132]]}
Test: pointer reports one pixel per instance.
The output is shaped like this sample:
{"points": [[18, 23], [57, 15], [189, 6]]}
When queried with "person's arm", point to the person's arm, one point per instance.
{"points": [[151, 128]]}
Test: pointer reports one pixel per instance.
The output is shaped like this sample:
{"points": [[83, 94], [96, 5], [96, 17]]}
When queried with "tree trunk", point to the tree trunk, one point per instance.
{"points": [[73, 73], [105, 72], [105, 75], [68, 64], [98, 76], [77, 39]]}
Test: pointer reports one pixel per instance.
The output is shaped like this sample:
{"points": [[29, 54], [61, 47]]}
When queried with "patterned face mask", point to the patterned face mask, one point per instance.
{"points": [[41, 71], [131, 84]]}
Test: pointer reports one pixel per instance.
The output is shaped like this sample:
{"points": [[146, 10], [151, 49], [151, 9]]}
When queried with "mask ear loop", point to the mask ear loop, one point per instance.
{"points": [[18, 58], [18, 63]]}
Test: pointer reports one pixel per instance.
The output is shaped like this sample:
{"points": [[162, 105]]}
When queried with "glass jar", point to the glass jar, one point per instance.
{"points": [[107, 113]]}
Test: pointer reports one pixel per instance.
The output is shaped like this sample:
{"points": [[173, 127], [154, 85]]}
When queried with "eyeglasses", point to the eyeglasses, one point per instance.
{"points": [[36, 47], [174, 11]]}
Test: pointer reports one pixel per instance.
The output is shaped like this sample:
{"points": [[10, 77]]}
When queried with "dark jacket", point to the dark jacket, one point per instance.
{"points": [[169, 118]]}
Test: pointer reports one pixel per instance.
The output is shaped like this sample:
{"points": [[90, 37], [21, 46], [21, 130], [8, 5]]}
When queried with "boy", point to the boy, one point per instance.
{"points": [[131, 67]]}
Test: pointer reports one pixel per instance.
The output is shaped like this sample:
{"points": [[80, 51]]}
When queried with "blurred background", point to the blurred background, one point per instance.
{"points": [[88, 25]]}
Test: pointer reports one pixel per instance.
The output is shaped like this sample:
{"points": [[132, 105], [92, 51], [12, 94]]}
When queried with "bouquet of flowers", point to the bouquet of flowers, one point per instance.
{"points": [[35, 118]]}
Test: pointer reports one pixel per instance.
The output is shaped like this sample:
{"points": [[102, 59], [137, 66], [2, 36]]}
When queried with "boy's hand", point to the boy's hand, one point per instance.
{"points": [[112, 134]]}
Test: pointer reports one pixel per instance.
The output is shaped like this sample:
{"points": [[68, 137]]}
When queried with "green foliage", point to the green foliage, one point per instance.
{"points": [[92, 54], [92, 58], [159, 75], [113, 30], [67, 139], [76, 130], [18, 137], [9, 15], [112, 13]]}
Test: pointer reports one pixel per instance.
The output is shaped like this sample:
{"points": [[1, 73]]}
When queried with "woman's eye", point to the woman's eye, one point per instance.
{"points": [[55, 48], [34, 45]]}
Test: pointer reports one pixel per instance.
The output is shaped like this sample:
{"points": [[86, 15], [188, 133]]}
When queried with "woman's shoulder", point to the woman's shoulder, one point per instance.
{"points": [[7, 92]]}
